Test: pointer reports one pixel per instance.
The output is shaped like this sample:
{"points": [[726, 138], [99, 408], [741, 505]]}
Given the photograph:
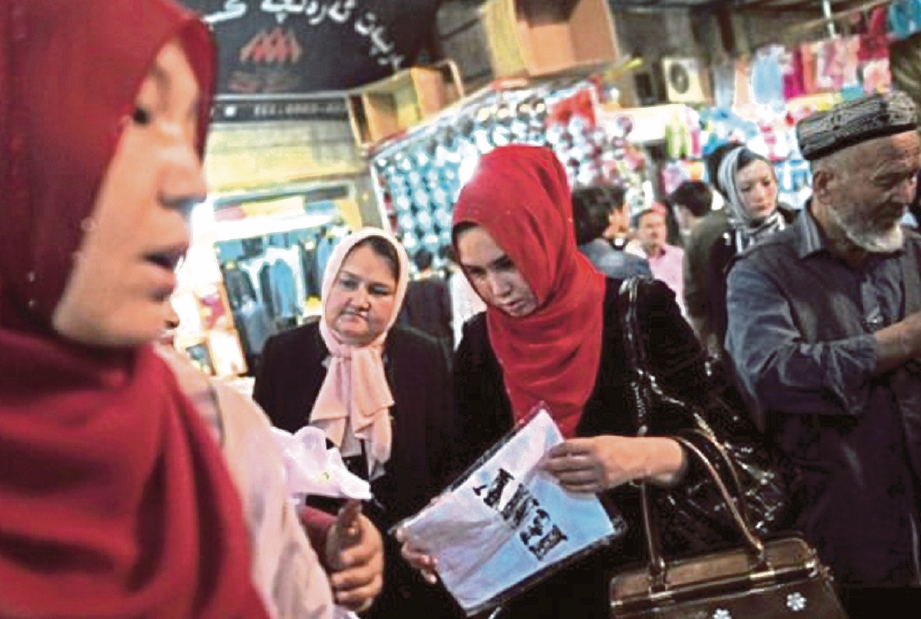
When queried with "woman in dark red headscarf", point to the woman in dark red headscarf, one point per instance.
{"points": [[551, 334], [115, 500]]}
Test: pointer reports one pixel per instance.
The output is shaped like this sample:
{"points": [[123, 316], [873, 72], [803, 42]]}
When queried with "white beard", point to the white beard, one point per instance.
{"points": [[873, 241]]}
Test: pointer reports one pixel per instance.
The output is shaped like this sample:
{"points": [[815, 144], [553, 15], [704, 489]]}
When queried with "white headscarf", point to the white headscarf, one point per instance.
{"points": [[748, 229], [355, 393]]}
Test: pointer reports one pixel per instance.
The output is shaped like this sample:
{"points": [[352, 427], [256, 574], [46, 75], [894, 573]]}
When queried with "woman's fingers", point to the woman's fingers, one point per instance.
{"points": [[358, 598], [360, 577], [572, 447], [582, 476], [561, 464], [354, 578], [417, 558], [587, 488], [430, 577], [575, 465]]}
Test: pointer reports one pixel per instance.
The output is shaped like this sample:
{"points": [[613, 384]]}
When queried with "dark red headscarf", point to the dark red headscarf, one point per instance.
{"points": [[114, 498], [520, 196]]}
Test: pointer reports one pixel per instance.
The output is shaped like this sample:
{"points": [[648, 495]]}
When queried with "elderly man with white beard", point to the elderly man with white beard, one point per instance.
{"points": [[825, 334]]}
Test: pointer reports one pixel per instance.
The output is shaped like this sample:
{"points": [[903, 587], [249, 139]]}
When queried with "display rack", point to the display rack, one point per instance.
{"points": [[419, 174]]}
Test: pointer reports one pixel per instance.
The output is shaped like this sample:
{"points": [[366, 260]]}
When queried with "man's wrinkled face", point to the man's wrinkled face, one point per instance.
{"points": [[869, 192]]}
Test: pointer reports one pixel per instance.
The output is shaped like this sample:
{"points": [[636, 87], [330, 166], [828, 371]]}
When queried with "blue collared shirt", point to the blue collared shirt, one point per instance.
{"points": [[779, 368]]}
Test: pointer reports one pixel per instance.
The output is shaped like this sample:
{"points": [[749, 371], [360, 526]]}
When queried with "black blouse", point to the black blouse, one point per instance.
{"points": [[676, 358], [485, 414], [423, 428], [421, 453]]}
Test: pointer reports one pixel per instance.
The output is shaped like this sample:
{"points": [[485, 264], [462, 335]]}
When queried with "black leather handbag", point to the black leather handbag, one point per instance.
{"points": [[723, 430], [782, 577]]}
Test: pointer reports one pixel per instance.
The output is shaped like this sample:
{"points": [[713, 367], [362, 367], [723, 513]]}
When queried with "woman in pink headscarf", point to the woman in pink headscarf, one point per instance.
{"points": [[115, 498], [380, 391]]}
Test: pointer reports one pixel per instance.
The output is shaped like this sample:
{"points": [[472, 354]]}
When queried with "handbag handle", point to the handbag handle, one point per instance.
{"points": [[642, 386]]}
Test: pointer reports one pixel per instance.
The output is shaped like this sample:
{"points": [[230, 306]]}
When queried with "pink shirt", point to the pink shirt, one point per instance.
{"points": [[667, 266]]}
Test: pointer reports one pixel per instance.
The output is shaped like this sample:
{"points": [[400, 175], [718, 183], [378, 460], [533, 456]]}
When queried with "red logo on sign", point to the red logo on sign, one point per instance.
{"points": [[277, 46]]}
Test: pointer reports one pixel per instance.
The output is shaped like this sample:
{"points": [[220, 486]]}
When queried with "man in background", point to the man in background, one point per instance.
{"points": [[692, 201], [665, 260], [602, 223]]}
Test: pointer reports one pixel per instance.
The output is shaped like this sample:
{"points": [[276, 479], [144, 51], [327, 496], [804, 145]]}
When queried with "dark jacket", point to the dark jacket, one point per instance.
{"points": [[423, 434], [485, 410], [427, 307], [855, 435], [709, 252]]}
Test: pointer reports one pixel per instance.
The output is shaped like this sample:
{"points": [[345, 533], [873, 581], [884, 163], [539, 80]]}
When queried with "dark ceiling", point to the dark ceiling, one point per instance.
{"points": [[810, 7]]}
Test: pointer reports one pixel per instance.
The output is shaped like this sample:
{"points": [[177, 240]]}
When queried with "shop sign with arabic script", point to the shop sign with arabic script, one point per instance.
{"points": [[309, 46]]}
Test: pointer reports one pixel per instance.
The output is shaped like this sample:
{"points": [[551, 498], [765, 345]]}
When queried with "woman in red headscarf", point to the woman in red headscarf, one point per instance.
{"points": [[115, 498], [551, 334]]}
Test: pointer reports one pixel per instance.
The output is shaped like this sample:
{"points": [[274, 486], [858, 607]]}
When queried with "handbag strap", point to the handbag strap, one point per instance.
{"points": [[658, 567], [643, 387], [751, 539]]}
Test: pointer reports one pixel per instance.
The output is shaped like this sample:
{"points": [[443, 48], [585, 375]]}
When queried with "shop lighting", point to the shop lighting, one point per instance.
{"points": [[467, 169], [202, 217]]}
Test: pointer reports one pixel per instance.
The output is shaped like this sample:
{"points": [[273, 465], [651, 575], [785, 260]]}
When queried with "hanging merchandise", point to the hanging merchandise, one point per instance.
{"points": [[626, 163], [573, 134], [809, 60], [836, 64], [791, 62], [682, 133], [743, 86], [794, 182], [722, 125], [873, 55], [724, 83], [675, 172], [766, 131], [419, 174], [876, 75], [874, 44], [904, 18], [206, 327], [767, 73]]}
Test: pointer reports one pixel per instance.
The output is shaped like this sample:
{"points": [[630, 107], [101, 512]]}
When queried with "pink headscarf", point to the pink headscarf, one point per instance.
{"points": [[355, 391]]}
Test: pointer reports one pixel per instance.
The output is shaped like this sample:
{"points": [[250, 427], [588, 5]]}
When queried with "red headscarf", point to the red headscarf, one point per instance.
{"points": [[520, 196], [114, 498]]}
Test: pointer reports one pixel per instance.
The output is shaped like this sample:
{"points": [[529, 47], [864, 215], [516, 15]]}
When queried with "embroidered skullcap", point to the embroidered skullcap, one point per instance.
{"points": [[852, 122]]}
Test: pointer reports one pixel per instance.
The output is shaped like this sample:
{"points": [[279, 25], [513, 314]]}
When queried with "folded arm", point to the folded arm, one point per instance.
{"points": [[783, 371]]}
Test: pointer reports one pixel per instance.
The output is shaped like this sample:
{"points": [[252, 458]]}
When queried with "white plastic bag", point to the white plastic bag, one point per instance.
{"points": [[506, 524], [312, 469]]}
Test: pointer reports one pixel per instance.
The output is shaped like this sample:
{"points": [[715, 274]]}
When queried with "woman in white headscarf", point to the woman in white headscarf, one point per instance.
{"points": [[748, 185], [381, 392]]}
